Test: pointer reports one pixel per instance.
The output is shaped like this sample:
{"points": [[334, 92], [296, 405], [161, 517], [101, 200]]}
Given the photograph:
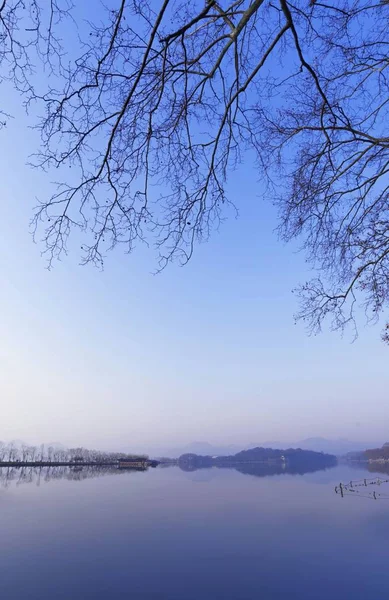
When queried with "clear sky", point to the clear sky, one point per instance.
{"points": [[129, 360]]}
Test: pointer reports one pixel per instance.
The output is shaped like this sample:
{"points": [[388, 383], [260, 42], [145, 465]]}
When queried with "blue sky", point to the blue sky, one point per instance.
{"points": [[126, 359]]}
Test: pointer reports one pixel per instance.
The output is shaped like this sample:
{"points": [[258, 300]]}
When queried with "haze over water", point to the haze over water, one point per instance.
{"points": [[207, 534]]}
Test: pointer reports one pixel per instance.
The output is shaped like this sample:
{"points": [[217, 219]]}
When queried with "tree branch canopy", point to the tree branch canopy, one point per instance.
{"points": [[167, 96], [28, 34]]}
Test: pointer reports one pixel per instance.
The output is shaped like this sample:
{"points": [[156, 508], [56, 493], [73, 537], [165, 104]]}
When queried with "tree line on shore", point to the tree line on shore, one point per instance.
{"points": [[378, 453], [25, 453]]}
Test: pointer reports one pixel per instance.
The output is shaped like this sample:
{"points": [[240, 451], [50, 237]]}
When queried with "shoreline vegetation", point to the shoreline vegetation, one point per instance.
{"points": [[371, 456], [25, 456], [258, 460], [256, 463], [19, 454]]}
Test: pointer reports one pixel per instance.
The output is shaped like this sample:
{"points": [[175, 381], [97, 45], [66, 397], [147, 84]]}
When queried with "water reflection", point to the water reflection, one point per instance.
{"points": [[378, 468], [159, 535], [37, 475], [262, 469]]}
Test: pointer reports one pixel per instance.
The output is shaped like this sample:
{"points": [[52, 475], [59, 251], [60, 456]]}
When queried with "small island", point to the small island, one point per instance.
{"points": [[262, 461]]}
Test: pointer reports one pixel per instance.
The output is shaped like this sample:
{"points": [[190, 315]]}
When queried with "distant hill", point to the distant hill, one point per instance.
{"points": [[200, 448], [260, 460], [290, 454], [338, 447]]}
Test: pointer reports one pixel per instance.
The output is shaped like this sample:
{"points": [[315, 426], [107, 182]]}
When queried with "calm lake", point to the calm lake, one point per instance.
{"points": [[201, 535]]}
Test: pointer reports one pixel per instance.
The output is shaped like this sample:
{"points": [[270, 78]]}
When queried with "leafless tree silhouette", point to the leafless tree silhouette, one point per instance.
{"points": [[28, 34], [164, 101], [50, 454]]}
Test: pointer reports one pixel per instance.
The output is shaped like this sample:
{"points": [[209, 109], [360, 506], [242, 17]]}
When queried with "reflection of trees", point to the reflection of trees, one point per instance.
{"points": [[21, 475], [263, 469], [377, 467]]}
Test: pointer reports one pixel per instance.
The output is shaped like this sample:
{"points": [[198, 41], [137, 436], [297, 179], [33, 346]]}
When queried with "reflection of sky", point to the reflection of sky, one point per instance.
{"points": [[160, 535], [123, 358]]}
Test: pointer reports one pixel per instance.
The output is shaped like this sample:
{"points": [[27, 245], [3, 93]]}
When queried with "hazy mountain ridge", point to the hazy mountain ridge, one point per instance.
{"points": [[338, 447]]}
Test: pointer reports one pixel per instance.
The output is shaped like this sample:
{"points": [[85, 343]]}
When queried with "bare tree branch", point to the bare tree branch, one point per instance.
{"points": [[157, 113]]}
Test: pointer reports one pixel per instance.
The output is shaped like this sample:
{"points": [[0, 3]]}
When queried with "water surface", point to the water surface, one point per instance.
{"points": [[204, 535]]}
